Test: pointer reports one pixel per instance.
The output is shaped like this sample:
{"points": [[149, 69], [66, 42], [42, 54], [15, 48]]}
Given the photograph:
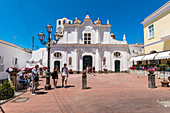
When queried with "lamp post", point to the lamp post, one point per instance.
{"points": [[41, 36]]}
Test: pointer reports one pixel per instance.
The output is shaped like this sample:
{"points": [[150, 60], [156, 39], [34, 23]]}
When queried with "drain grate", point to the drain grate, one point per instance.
{"points": [[164, 103], [20, 99]]}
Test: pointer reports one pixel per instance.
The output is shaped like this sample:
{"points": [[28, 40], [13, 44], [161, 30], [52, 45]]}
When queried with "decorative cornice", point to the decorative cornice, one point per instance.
{"points": [[158, 12]]}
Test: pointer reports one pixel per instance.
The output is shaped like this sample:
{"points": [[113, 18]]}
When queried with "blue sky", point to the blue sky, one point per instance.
{"points": [[26, 18]]}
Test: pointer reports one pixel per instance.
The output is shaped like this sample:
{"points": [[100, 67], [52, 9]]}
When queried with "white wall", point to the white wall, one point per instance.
{"points": [[97, 54], [9, 53]]}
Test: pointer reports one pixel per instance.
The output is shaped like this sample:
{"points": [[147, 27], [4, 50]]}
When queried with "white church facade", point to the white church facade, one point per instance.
{"points": [[89, 43]]}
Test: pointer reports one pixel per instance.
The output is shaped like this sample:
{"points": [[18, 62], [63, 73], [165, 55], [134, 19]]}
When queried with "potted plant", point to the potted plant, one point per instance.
{"points": [[70, 71], [105, 70], [151, 70], [13, 74], [13, 70], [84, 72], [164, 67], [131, 68]]}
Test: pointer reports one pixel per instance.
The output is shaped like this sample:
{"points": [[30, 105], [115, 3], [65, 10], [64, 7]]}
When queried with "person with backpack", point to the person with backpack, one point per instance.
{"points": [[64, 75], [35, 79]]}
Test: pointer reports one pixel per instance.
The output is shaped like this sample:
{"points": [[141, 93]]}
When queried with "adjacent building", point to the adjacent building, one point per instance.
{"points": [[38, 57], [11, 56], [156, 37]]}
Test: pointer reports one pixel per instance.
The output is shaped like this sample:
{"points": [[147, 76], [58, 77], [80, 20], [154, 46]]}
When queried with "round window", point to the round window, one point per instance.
{"points": [[117, 54], [57, 55]]}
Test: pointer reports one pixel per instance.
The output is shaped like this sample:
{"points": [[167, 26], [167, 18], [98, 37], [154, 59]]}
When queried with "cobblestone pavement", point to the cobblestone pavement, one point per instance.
{"points": [[106, 93]]}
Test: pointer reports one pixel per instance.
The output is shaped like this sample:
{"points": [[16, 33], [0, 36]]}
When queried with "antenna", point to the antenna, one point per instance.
{"points": [[138, 41], [32, 43]]}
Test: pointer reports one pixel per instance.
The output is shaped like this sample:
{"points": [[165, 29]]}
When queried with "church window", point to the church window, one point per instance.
{"points": [[117, 54], [87, 38], [57, 55], [59, 22], [151, 31], [104, 61], [70, 61], [1, 64], [1, 59], [16, 61], [64, 21]]}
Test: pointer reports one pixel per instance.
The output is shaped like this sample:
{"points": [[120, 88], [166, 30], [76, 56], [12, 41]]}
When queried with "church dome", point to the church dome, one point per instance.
{"points": [[112, 35], [77, 21], [97, 21]]}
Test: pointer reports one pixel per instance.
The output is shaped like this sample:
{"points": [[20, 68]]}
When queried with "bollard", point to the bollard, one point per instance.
{"points": [[151, 81], [84, 81]]}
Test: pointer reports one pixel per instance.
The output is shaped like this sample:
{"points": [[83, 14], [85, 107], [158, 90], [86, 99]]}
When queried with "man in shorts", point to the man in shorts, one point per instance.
{"points": [[64, 75], [35, 78]]}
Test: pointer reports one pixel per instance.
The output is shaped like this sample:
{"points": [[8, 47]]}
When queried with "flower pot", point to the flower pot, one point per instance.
{"points": [[165, 83], [12, 73], [151, 72]]}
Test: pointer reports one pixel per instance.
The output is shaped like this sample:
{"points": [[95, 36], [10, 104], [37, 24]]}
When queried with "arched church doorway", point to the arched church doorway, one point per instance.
{"points": [[117, 65], [87, 61], [57, 63]]}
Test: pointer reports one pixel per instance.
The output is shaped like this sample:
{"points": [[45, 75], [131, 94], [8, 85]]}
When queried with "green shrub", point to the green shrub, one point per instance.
{"points": [[163, 67], [6, 91]]}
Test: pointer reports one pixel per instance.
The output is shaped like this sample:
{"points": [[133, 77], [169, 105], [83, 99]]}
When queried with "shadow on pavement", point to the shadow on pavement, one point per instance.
{"points": [[88, 88], [41, 93], [39, 89], [68, 86], [2, 110]]}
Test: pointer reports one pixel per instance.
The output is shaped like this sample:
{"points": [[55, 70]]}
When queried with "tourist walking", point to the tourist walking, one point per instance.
{"points": [[35, 79], [89, 71], [87, 68], [94, 70], [55, 76], [64, 75]]}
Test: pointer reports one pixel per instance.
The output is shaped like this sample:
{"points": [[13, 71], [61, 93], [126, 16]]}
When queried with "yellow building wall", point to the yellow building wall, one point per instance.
{"points": [[161, 27], [167, 45]]}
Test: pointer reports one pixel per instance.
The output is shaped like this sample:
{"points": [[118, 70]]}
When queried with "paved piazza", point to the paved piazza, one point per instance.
{"points": [[107, 93]]}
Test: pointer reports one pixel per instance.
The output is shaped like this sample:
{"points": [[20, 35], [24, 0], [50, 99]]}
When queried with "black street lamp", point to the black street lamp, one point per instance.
{"points": [[41, 36]]}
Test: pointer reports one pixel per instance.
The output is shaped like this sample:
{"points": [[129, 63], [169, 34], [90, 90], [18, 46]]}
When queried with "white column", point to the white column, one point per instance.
{"points": [[76, 35], [108, 60], [65, 58], [76, 60], [111, 61], [80, 63], [66, 36], [97, 61], [97, 36]]}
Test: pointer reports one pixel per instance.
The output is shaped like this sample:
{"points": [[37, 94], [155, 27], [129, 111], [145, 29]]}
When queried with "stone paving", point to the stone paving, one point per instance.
{"points": [[106, 93]]}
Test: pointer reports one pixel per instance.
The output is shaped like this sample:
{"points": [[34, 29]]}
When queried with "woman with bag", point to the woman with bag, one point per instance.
{"points": [[55, 76]]}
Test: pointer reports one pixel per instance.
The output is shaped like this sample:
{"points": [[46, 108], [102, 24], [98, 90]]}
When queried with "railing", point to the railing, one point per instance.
{"points": [[158, 74]]}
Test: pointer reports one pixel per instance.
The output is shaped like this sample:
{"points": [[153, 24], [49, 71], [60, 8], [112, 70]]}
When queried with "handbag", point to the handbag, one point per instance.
{"points": [[52, 74]]}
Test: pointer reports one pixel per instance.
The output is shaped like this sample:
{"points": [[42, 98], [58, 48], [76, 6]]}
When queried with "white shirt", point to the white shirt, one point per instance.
{"points": [[64, 71]]}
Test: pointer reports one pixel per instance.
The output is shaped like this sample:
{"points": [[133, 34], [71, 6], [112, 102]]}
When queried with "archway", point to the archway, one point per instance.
{"points": [[87, 61], [117, 65], [57, 63]]}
